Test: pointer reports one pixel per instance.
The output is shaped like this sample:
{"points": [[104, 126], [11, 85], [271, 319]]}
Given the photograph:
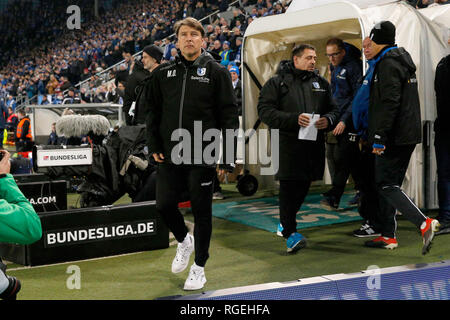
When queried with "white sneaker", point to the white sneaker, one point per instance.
{"points": [[184, 251], [196, 278]]}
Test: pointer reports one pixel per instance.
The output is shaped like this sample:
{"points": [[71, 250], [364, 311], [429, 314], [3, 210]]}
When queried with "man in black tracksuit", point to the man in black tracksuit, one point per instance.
{"points": [[135, 92], [343, 156], [188, 96], [287, 102], [137, 76], [394, 130]]}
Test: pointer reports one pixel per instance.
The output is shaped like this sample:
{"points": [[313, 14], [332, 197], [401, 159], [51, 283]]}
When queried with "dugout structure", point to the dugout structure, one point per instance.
{"points": [[269, 40], [42, 116]]}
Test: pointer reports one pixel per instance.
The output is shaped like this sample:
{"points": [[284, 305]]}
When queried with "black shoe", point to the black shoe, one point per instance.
{"points": [[330, 203], [355, 200], [444, 228], [11, 292], [365, 231]]}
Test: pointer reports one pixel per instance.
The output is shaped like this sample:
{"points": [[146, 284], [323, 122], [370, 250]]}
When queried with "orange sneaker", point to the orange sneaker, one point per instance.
{"points": [[382, 242], [428, 228]]}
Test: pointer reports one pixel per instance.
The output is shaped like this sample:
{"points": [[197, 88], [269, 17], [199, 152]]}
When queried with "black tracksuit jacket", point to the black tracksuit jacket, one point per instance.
{"points": [[181, 93]]}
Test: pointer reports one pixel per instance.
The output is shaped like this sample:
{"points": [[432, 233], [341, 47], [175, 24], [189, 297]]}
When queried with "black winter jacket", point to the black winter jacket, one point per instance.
{"points": [[181, 93], [134, 81], [442, 88], [394, 107], [344, 82], [282, 99]]}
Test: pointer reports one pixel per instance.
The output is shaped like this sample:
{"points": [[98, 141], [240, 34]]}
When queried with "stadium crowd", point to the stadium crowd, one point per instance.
{"points": [[116, 35], [47, 58]]}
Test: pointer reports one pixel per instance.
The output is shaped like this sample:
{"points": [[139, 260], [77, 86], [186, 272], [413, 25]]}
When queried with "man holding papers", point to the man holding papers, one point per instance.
{"points": [[298, 102]]}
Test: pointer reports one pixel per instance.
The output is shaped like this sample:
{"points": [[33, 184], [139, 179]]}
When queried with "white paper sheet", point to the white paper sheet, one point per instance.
{"points": [[309, 132]]}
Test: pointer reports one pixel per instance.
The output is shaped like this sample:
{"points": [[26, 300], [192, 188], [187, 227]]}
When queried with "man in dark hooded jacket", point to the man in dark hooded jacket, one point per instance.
{"points": [[342, 156], [151, 59], [287, 102], [394, 129], [135, 82]]}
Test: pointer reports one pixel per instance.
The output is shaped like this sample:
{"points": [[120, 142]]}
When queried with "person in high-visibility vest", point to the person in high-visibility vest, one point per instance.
{"points": [[24, 138]]}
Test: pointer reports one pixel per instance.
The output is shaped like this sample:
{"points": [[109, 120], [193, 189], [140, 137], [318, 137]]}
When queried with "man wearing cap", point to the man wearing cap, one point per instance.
{"points": [[394, 129], [133, 105]]}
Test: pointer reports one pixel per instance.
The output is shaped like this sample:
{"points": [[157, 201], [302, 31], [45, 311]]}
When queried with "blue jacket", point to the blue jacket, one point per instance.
{"points": [[344, 82]]}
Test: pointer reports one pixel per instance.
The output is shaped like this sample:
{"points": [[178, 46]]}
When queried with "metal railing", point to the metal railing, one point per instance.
{"points": [[140, 52]]}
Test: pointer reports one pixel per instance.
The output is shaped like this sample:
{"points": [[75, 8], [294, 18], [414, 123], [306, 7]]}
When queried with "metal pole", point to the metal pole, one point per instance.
{"points": [[96, 8]]}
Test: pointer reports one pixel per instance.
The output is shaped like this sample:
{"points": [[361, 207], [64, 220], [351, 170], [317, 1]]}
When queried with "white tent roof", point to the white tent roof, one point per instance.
{"points": [[438, 13], [297, 5], [337, 11]]}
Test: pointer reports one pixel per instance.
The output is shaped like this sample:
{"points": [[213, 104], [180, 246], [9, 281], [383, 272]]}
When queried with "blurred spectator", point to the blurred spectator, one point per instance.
{"points": [[234, 71], [237, 16], [53, 138], [37, 50], [52, 84], [11, 102], [173, 54], [217, 47], [44, 100], [12, 120], [64, 84], [3, 117], [226, 53], [71, 97], [237, 53]]}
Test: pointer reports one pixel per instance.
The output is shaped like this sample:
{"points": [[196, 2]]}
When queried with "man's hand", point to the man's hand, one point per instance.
{"points": [[159, 157], [339, 128], [303, 120], [5, 165], [322, 123]]}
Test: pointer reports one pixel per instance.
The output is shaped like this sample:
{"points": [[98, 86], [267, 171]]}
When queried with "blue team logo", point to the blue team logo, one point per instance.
{"points": [[201, 72], [316, 85]]}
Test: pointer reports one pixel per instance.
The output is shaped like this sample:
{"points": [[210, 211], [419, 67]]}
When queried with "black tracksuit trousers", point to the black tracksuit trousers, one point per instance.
{"points": [[346, 156], [171, 181], [291, 197], [369, 206], [390, 170]]}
